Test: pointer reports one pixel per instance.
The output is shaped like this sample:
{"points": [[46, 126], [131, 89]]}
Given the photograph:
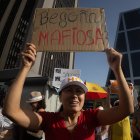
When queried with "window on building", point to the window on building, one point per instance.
{"points": [[134, 39], [136, 63], [3, 6], [137, 82], [121, 42], [64, 3], [8, 24], [132, 19], [125, 66], [20, 34], [112, 76], [121, 27]]}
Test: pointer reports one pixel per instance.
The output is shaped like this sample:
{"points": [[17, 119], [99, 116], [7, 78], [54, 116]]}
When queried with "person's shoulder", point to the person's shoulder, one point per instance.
{"points": [[90, 111]]}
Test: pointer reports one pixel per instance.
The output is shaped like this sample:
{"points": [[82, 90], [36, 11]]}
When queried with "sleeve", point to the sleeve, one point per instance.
{"points": [[47, 118], [5, 123], [91, 116]]}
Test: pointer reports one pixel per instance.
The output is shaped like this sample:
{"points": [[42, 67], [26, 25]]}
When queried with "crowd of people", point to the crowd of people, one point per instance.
{"points": [[72, 121]]}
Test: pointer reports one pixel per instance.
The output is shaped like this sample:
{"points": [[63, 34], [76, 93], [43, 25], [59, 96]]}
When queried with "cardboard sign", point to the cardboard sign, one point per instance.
{"points": [[70, 29], [60, 74]]}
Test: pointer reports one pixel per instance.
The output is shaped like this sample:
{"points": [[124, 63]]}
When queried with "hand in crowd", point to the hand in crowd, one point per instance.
{"points": [[29, 55], [114, 58]]}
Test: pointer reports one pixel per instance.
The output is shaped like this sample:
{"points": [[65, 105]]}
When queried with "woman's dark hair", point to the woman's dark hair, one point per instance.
{"points": [[2, 96], [61, 108], [138, 98]]}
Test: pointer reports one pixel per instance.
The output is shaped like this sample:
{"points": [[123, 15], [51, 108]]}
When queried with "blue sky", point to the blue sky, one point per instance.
{"points": [[93, 65]]}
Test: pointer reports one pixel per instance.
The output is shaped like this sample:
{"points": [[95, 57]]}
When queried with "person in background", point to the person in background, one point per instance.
{"points": [[72, 122], [136, 122], [102, 131], [37, 105], [7, 128], [120, 130], [131, 87]]}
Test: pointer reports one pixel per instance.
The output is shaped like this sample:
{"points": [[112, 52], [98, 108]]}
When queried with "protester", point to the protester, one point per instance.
{"points": [[131, 87], [102, 131], [37, 105], [72, 122], [7, 131], [136, 122], [121, 130]]}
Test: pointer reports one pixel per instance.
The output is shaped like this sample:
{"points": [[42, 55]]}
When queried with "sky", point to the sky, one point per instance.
{"points": [[93, 65]]}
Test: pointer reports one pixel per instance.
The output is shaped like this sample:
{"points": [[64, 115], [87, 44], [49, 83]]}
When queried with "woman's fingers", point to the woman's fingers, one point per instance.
{"points": [[31, 47], [30, 56], [110, 51], [30, 51]]}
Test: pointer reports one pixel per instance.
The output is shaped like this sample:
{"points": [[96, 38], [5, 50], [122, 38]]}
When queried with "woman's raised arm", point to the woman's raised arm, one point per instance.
{"points": [[125, 107], [12, 109]]}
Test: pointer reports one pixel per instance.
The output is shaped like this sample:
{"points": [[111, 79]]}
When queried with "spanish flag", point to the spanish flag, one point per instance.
{"points": [[95, 91]]}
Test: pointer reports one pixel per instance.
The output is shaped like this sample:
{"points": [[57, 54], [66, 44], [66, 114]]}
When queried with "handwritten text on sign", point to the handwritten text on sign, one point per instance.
{"points": [[70, 29], [60, 74]]}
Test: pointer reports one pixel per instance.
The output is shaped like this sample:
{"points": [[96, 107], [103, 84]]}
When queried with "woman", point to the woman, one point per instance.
{"points": [[73, 122]]}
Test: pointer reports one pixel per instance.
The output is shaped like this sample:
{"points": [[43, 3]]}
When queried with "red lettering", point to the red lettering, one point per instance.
{"points": [[76, 36], [65, 35], [83, 40], [44, 37], [56, 36], [89, 34], [98, 36]]}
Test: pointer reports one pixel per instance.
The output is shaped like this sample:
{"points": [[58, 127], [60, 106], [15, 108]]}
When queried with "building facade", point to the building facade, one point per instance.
{"points": [[128, 43], [16, 26], [16, 29]]}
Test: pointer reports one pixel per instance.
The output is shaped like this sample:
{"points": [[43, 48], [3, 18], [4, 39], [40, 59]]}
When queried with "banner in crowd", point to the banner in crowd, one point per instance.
{"points": [[60, 74], [70, 29]]}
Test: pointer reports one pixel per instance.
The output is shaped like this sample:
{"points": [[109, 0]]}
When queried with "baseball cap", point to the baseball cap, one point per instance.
{"points": [[72, 80], [35, 96]]}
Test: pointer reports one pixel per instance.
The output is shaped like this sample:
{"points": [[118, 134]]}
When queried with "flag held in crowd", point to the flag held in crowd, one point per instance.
{"points": [[95, 91]]}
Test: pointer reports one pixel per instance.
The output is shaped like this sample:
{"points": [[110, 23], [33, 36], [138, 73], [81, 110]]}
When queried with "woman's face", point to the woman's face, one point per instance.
{"points": [[72, 98]]}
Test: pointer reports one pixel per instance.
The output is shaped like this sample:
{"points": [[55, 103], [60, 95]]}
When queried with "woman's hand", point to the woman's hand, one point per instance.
{"points": [[28, 55], [114, 58]]}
